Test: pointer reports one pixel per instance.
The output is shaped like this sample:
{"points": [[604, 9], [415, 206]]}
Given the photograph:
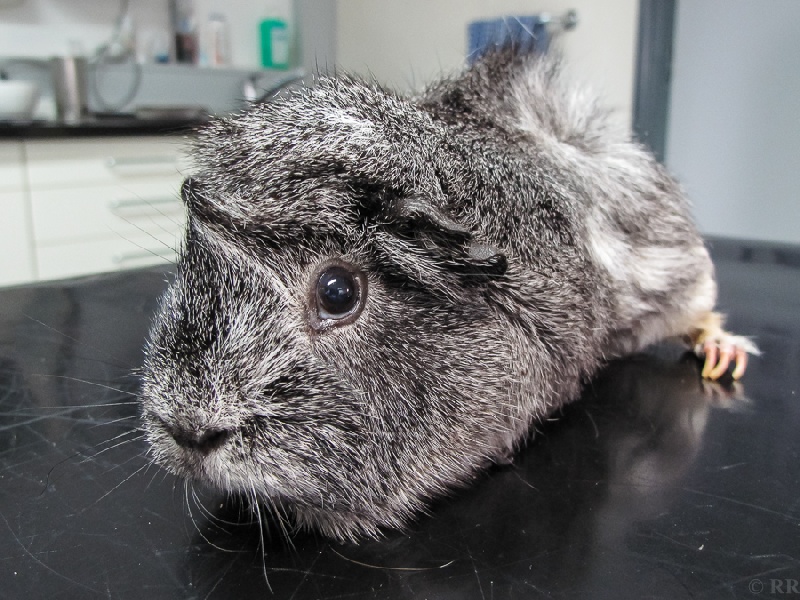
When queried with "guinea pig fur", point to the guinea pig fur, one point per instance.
{"points": [[378, 296]]}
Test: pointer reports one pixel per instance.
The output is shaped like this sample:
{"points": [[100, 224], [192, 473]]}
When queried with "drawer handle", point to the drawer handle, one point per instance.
{"points": [[126, 257], [128, 203], [112, 162]]}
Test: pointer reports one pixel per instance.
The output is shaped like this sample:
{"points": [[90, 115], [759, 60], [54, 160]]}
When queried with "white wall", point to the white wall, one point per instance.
{"points": [[734, 127], [405, 43]]}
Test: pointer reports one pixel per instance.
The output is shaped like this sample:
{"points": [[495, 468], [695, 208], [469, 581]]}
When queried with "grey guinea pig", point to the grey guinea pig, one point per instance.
{"points": [[378, 296]]}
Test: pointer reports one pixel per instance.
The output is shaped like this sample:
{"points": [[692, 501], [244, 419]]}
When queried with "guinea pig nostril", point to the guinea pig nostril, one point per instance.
{"points": [[203, 441], [213, 438]]}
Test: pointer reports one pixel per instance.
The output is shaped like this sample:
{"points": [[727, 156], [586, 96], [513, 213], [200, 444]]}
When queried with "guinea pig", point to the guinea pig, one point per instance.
{"points": [[378, 296]]}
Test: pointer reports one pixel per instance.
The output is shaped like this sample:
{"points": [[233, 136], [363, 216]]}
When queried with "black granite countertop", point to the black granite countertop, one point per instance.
{"points": [[98, 127], [653, 485]]}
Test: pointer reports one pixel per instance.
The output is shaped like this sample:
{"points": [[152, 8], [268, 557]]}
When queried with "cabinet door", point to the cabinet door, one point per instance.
{"points": [[11, 167], [72, 214], [101, 161], [103, 204], [16, 245], [99, 256]]}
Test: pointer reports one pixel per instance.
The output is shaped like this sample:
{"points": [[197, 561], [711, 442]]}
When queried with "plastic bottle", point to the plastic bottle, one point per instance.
{"points": [[218, 40], [184, 25], [275, 35]]}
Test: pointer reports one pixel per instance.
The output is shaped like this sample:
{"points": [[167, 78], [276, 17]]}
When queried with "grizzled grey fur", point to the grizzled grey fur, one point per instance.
{"points": [[511, 243]]}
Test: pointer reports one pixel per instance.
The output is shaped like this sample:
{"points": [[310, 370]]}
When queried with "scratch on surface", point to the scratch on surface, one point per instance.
{"points": [[694, 567], [38, 561], [730, 584], [35, 419], [681, 566], [99, 384], [306, 573], [101, 351], [674, 541], [596, 430], [733, 466], [523, 480], [219, 580], [742, 503], [363, 564], [477, 576]]}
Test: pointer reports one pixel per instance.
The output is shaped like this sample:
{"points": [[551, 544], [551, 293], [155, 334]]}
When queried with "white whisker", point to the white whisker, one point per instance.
{"points": [[87, 382], [120, 484]]}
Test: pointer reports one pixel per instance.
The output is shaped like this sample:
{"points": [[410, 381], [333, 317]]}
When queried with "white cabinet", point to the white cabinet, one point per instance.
{"points": [[84, 212], [112, 160], [16, 243], [104, 204], [99, 256], [12, 176]]}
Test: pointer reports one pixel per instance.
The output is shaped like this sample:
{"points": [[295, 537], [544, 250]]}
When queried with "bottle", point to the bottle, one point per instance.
{"points": [[184, 26], [218, 44], [275, 35]]}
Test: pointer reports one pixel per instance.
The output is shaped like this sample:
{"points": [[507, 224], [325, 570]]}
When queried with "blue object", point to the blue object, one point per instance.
{"points": [[526, 34]]}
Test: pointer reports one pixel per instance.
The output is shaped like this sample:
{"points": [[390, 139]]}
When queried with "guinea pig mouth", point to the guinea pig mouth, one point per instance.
{"points": [[206, 456]]}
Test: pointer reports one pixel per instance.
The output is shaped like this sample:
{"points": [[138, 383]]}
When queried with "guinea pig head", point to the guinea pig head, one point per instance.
{"points": [[328, 344]]}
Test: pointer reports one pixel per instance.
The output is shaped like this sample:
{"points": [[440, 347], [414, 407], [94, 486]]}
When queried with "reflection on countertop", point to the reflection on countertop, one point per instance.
{"points": [[111, 125]]}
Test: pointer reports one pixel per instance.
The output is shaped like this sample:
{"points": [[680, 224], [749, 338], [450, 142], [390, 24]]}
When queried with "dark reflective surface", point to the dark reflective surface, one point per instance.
{"points": [[652, 485]]}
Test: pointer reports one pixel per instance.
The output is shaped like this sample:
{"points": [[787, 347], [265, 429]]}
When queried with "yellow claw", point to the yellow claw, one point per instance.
{"points": [[725, 355], [741, 363], [711, 351]]}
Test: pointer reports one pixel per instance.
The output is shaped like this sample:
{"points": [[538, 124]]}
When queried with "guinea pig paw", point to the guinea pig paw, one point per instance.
{"points": [[721, 350]]}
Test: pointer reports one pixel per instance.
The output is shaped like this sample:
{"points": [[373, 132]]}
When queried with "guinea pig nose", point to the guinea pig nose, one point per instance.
{"points": [[203, 441]]}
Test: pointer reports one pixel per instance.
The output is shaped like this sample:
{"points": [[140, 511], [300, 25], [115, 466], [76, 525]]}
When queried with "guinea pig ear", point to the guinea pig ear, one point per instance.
{"points": [[186, 190], [201, 204], [192, 196], [420, 214]]}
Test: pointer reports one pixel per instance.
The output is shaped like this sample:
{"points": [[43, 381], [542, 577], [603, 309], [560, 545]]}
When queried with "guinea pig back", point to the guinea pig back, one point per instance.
{"points": [[377, 296]]}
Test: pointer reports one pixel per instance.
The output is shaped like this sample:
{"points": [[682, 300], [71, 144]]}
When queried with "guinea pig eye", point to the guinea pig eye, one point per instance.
{"points": [[338, 295], [337, 292]]}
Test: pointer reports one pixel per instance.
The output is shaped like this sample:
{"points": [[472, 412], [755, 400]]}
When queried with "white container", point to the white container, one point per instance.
{"points": [[218, 47], [18, 100], [70, 87]]}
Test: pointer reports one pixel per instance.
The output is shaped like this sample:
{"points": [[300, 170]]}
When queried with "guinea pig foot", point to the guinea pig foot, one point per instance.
{"points": [[721, 350]]}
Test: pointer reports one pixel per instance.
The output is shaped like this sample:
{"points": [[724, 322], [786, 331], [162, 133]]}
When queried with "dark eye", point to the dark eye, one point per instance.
{"points": [[339, 294], [337, 291]]}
